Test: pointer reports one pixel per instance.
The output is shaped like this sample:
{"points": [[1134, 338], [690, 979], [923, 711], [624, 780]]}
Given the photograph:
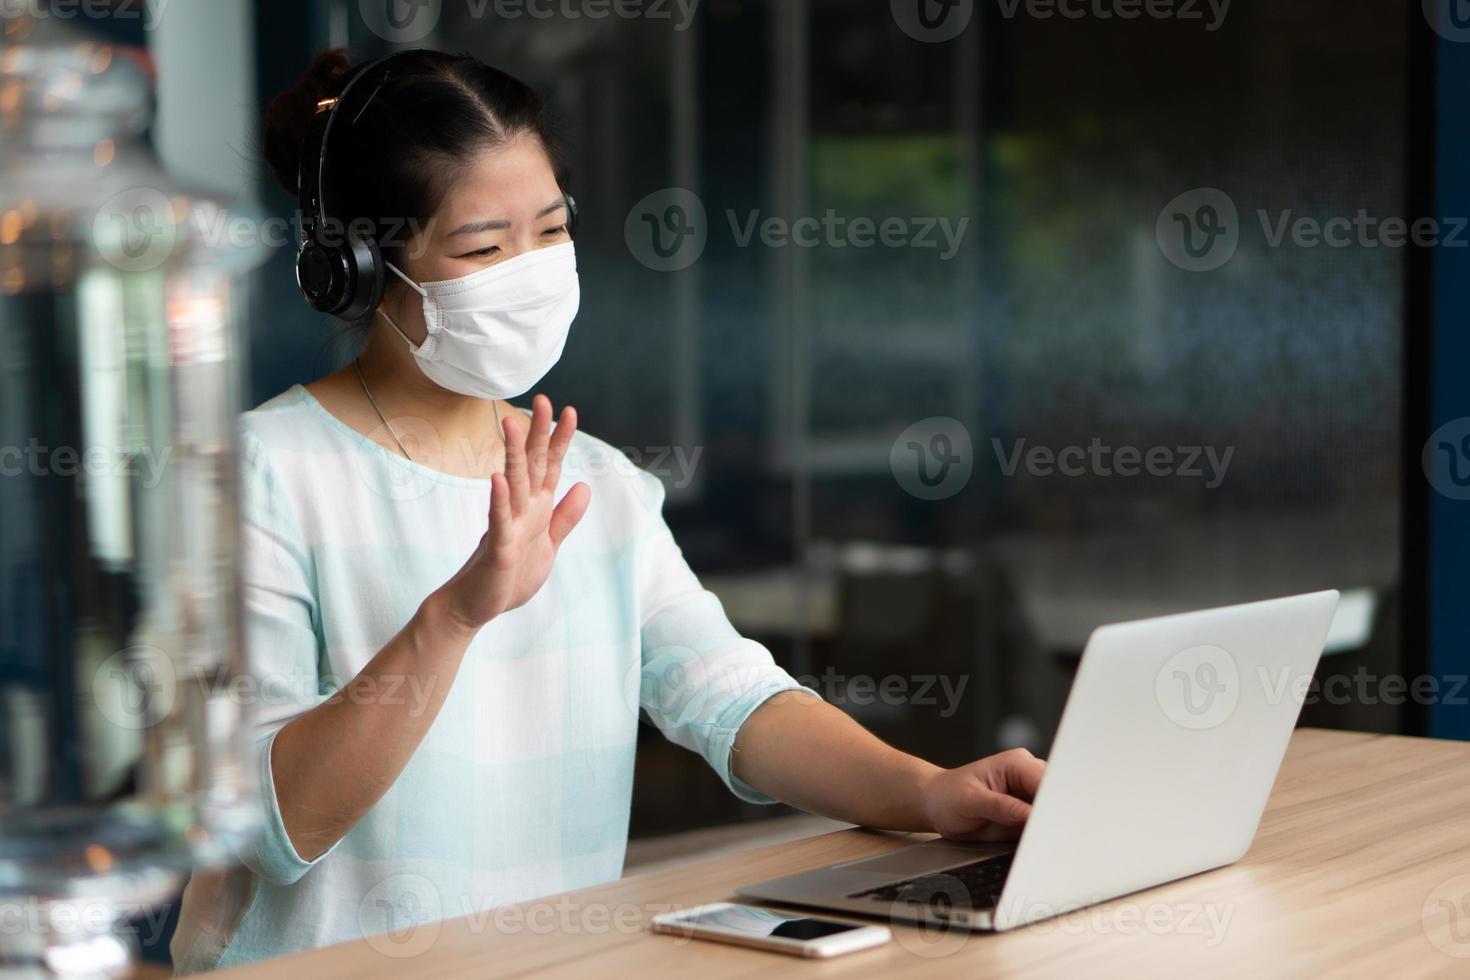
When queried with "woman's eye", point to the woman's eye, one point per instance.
{"points": [[553, 232], [482, 253]]}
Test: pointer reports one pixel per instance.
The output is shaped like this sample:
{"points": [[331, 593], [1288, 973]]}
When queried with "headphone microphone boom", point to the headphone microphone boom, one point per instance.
{"points": [[339, 265]]}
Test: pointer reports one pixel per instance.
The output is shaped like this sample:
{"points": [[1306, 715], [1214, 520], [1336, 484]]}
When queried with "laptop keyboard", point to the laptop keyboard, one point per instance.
{"points": [[976, 885]]}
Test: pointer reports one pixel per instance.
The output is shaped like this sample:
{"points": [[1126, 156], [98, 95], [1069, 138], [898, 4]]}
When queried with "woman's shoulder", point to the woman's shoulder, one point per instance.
{"points": [[292, 430], [277, 419], [295, 422], [609, 470]]}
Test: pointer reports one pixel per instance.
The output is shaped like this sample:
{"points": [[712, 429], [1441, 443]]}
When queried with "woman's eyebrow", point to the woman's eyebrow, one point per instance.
{"points": [[474, 227], [501, 224]]}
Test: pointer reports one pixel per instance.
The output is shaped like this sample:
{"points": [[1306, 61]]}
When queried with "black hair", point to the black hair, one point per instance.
{"points": [[393, 166]]}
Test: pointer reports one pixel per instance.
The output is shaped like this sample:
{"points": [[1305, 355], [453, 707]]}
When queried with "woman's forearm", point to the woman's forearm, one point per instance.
{"points": [[840, 770], [333, 763]]}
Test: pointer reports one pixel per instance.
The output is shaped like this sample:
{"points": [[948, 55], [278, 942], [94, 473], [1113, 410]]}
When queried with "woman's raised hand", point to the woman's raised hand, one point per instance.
{"points": [[527, 526]]}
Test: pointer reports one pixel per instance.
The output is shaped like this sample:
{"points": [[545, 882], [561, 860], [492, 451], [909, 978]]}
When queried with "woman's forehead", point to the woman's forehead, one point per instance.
{"points": [[512, 180]]}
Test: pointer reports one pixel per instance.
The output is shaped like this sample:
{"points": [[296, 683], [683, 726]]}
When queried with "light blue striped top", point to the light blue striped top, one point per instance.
{"points": [[523, 784]]}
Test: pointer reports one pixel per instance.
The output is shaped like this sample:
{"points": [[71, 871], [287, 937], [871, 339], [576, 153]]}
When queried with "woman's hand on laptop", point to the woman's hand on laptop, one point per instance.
{"points": [[986, 800], [862, 780]]}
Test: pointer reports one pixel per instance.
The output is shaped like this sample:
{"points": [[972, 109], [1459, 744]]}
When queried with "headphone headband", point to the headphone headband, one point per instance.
{"points": [[342, 276], [312, 174]]}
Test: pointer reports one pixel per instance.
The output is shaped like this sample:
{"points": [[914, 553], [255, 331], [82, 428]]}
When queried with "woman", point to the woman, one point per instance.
{"points": [[457, 608]]}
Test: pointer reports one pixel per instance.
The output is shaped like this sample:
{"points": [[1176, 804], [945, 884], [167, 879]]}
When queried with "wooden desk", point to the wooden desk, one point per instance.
{"points": [[1364, 838]]}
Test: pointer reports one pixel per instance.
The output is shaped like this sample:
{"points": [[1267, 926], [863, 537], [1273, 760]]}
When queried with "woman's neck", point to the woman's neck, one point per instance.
{"points": [[441, 429]]}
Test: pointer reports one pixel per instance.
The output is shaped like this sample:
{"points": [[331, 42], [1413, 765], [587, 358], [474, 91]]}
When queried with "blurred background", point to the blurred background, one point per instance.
{"points": [[953, 331], [777, 386], [788, 385]]}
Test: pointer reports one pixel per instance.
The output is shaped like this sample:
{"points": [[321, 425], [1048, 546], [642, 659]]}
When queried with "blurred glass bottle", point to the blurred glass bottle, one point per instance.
{"points": [[124, 698]]}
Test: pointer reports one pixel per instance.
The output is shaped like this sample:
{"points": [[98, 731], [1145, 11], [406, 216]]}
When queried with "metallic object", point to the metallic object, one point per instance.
{"points": [[357, 364], [124, 699]]}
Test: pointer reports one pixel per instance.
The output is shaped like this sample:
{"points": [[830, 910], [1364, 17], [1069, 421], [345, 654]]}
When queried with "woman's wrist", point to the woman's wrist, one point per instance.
{"points": [[437, 623], [922, 776], [903, 797]]}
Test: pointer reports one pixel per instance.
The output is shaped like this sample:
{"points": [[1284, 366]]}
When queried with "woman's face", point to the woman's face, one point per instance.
{"points": [[505, 203]]}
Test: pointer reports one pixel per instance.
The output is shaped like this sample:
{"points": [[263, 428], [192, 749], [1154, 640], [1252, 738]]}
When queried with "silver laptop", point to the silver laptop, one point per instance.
{"points": [[1170, 742]]}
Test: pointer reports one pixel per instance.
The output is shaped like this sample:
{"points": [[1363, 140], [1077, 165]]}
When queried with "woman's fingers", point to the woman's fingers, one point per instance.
{"points": [[569, 512], [556, 451], [515, 461], [536, 450], [1023, 773], [1001, 808], [500, 516], [989, 815]]}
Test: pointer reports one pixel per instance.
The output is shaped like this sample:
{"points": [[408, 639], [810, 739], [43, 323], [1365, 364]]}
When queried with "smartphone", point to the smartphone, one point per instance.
{"points": [[779, 932]]}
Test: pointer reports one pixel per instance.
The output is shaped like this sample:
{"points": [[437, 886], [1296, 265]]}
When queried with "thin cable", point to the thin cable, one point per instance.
{"points": [[356, 362]]}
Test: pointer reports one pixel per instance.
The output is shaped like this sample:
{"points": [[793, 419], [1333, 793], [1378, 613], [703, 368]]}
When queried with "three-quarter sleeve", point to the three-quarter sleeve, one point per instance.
{"points": [[281, 633], [700, 679]]}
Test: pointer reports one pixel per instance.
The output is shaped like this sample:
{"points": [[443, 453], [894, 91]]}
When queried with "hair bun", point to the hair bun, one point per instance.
{"points": [[289, 114]]}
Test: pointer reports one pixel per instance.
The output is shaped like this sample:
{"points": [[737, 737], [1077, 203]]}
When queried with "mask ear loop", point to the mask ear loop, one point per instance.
{"points": [[494, 405], [384, 313], [407, 281]]}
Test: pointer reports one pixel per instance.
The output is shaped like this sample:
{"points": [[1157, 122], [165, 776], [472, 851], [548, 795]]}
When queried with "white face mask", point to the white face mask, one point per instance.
{"points": [[497, 332]]}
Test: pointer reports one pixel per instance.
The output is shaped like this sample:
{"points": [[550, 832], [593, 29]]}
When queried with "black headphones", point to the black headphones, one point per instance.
{"points": [[339, 266]]}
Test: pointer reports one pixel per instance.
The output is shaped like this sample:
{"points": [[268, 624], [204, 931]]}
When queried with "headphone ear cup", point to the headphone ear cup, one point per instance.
{"points": [[366, 278], [321, 274], [571, 215]]}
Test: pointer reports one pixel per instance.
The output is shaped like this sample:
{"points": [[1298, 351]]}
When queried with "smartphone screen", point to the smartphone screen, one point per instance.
{"points": [[761, 923]]}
